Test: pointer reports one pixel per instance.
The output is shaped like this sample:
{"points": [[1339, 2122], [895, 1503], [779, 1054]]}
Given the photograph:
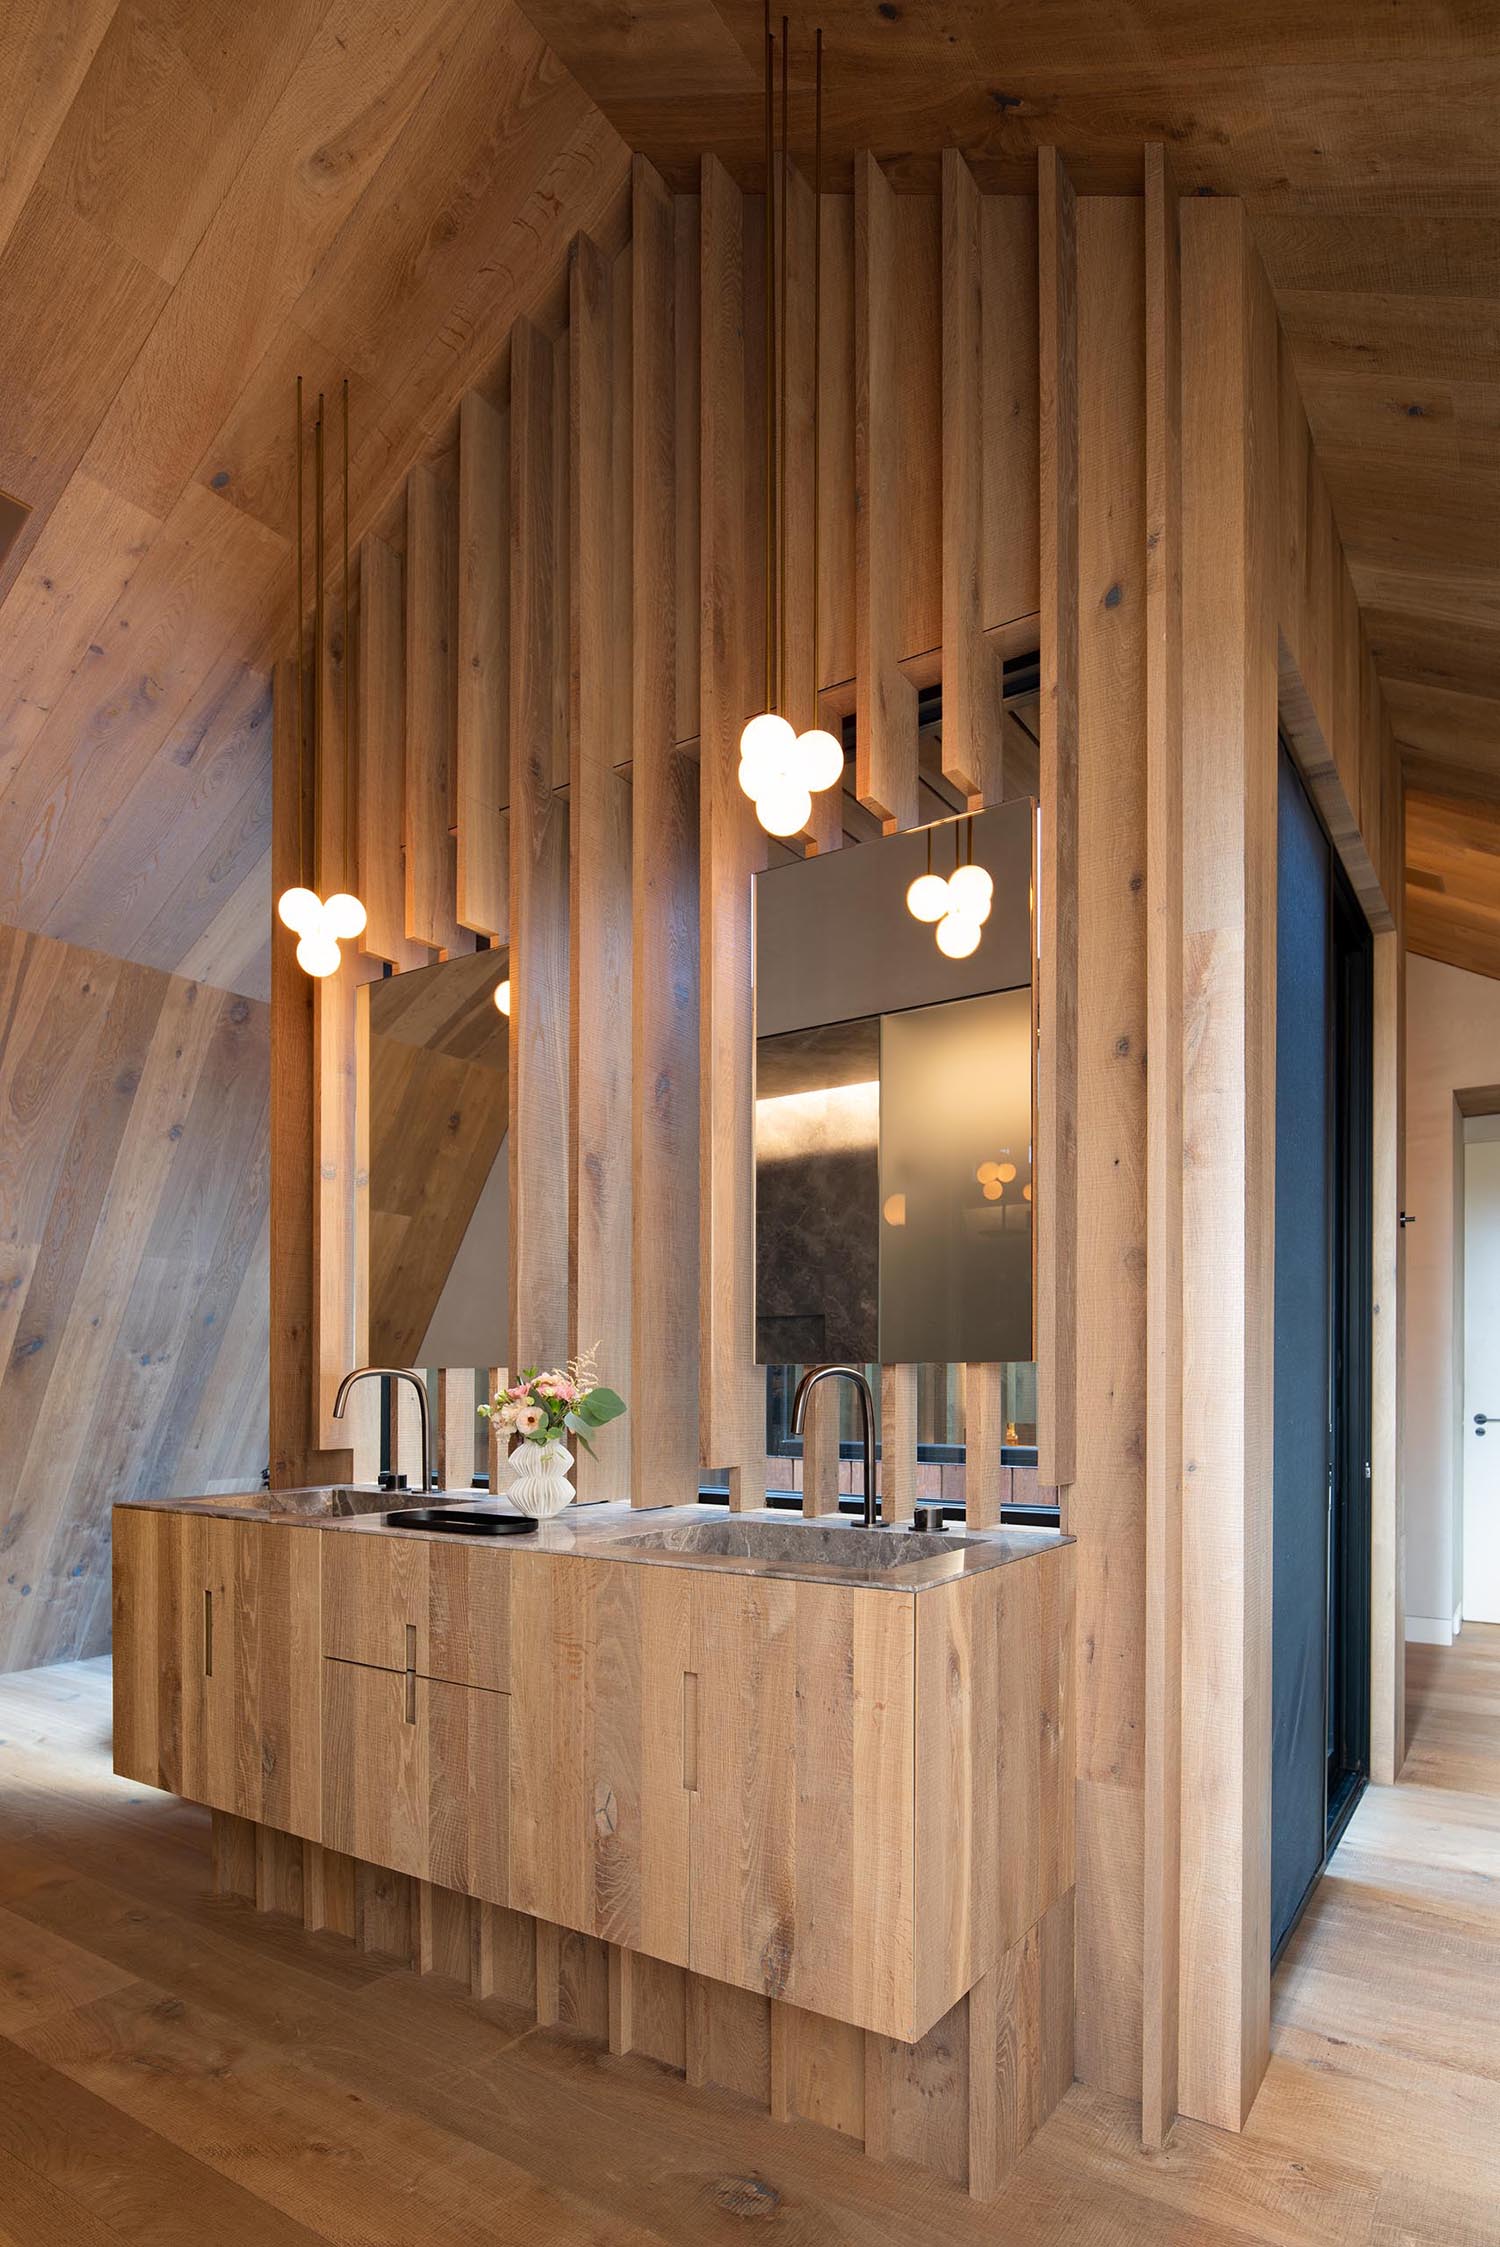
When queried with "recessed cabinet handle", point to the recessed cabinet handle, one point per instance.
{"points": [[208, 1632], [690, 1730], [411, 1673]]}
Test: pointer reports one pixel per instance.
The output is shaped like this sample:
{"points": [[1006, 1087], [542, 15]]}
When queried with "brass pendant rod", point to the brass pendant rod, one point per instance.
{"points": [[318, 566], [346, 671], [817, 367], [301, 662], [781, 420], [768, 265]]}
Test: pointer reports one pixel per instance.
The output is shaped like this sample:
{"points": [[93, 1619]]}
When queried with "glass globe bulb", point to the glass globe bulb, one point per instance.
{"points": [[502, 996], [784, 808], [300, 910], [344, 916], [318, 954], [768, 752], [972, 890], [957, 935], [927, 898], [820, 759]]}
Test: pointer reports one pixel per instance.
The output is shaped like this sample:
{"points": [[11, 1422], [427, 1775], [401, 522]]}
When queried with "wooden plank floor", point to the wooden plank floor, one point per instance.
{"points": [[176, 2069]]}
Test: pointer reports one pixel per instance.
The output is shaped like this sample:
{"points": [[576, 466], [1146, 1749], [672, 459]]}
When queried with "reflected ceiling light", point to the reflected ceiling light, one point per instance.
{"points": [[987, 1173], [320, 925], [971, 890], [780, 769], [502, 997], [825, 1120], [992, 1190], [893, 1209], [959, 905], [1005, 1172]]}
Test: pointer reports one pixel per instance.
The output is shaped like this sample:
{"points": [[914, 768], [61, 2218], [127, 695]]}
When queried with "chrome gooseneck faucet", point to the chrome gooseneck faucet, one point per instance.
{"points": [[807, 1384], [428, 1483]]}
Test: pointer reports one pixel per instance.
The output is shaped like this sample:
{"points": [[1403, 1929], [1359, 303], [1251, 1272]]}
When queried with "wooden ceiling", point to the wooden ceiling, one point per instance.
{"points": [[1364, 136], [198, 200]]}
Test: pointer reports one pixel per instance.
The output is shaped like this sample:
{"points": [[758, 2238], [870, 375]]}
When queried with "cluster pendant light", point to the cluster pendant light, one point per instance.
{"points": [[780, 769], [959, 903], [320, 924]]}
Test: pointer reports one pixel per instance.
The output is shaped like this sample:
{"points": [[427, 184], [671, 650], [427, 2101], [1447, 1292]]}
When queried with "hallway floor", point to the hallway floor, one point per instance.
{"points": [[178, 2070]]}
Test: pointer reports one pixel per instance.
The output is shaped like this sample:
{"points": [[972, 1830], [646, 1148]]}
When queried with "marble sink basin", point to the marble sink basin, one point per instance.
{"points": [[822, 1544], [335, 1502]]}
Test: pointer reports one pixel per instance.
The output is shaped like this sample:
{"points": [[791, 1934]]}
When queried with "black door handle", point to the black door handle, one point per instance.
{"points": [[1482, 1421]]}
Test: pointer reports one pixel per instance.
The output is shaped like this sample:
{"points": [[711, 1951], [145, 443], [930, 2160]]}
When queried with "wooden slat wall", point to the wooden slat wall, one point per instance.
{"points": [[607, 628], [133, 1333]]}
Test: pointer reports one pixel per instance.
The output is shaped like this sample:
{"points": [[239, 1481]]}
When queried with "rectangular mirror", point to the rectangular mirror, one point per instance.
{"points": [[436, 1104], [894, 1102]]}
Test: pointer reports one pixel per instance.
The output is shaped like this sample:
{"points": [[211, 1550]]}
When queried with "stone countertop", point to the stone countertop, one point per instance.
{"points": [[816, 1551]]}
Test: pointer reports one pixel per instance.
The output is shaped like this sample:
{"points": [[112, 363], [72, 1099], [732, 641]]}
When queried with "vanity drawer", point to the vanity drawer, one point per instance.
{"points": [[395, 1603], [416, 1776]]}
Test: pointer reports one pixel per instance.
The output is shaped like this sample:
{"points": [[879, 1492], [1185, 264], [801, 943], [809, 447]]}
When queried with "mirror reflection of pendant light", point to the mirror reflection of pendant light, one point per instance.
{"points": [[779, 768], [320, 924]]}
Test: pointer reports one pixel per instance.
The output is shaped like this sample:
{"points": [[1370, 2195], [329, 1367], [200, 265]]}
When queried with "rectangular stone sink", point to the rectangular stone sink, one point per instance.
{"points": [[798, 1544], [333, 1502]]}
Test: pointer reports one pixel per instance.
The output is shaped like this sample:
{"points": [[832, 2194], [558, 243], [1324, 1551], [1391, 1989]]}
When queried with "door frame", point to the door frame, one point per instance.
{"points": [[1469, 1101]]}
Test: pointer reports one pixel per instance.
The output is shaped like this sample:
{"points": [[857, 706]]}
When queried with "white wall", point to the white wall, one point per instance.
{"points": [[1452, 1042]]}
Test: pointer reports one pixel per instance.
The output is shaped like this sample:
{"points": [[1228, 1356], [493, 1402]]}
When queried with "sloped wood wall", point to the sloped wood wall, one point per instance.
{"points": [[1004, 466], [134, 1178]]}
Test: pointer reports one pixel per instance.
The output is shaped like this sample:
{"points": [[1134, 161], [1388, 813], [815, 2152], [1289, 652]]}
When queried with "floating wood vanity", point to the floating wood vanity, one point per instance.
{"points": [[802, 1829]]}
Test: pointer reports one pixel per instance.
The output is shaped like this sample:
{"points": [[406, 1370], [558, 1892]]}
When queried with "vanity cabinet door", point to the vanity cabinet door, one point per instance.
{"points": [[216, 1651], [416, 1776], [600, 1656], [802, 1808]]}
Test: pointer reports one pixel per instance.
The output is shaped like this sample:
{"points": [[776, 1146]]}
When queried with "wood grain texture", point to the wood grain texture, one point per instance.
{"points": [[380, 808], [431, 793], [1164, 1152], [663, 891], [1057, 967], [731, 846], [1229, 825], [482, 716], [886, 701], [135, 1188], [177, 174], [539, 824], [973, 736], [1107, 1503]]}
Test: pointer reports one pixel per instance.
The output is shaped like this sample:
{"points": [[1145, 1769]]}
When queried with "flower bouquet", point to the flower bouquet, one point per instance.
{"points": [[539, 1410]]}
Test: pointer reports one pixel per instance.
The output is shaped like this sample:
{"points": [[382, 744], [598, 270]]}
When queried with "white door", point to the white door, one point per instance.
{"points": [[1481, 1443]]}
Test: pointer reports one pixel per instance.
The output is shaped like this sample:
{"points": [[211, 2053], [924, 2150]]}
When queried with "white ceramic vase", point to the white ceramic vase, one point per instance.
{"points": [[540, 1484]]}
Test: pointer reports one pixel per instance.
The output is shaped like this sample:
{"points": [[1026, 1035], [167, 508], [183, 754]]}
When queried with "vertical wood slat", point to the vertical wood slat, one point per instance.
{"points": [[1229, 724], [800, 703], [1164, 1150], [984, 1437], [599, 825], [295, 1421], [1387, 1620], [382, 756], [1008, 312], [898, 1442], [1057, 968], [482, 753], [731, 849], [1108, 1500], [972, 665], [339, 1188], [431, 712], [539, 977], [662, 1267], [885, 700], [457, 1427]]}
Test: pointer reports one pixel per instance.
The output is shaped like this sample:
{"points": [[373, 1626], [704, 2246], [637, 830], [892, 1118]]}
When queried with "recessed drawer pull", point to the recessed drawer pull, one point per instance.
{"points": [[690, 1730], [208, 1633], [411, 1673]]}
